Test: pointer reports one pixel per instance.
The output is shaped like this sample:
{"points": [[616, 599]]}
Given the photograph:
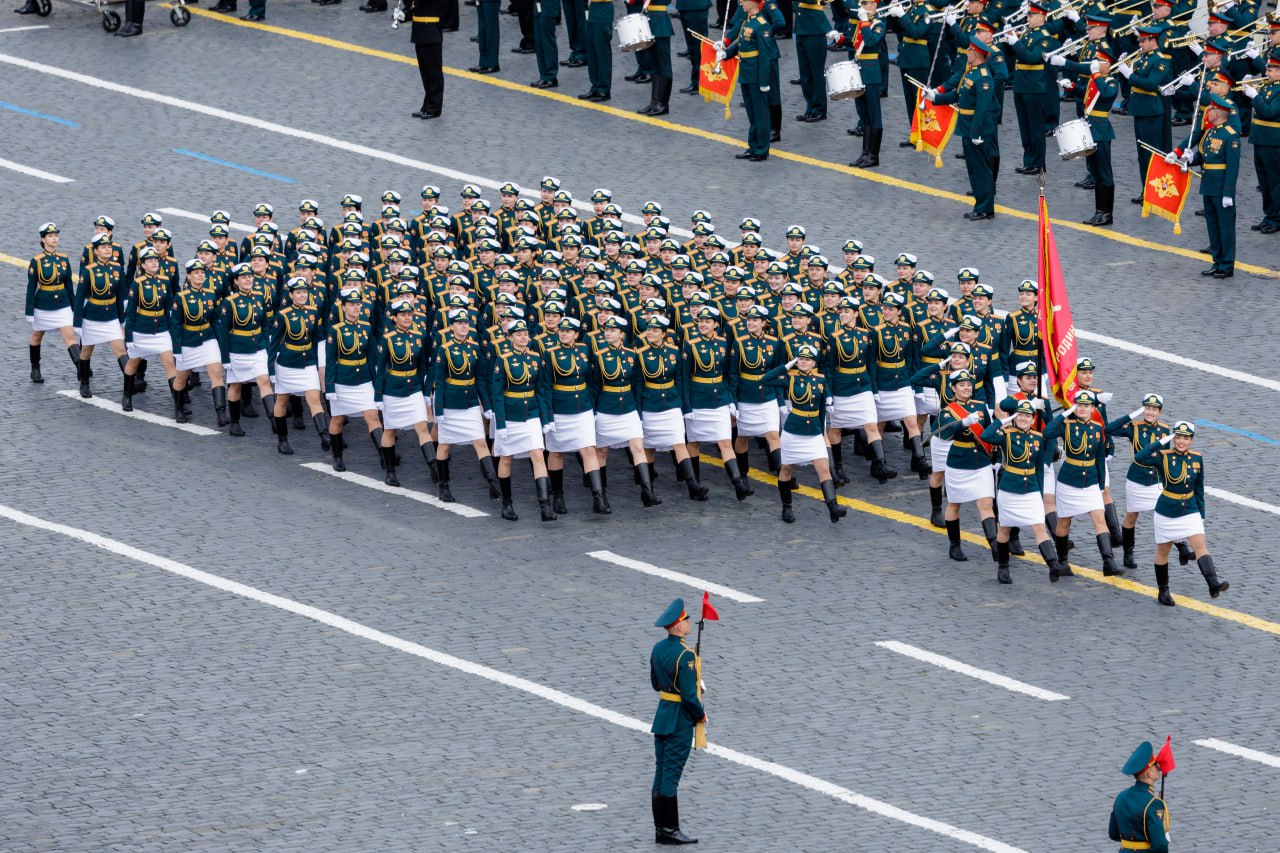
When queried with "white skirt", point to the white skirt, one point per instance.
{"points": [[755, 419], [45, 321], [347, 399], [802, 449], [1020, 510], [144, 346], [1176, 529], [461, 426], [572, 433], [617, 430], [938, 450], [93, 332], [708, 424], [851, 412], [296, 380], [1049, 479], [1073, 501], [965, 486], [192, 357], [248, 366], [896, 405], [1138, 498], [927, 402], [403, 412], [522, 437], [662, 430]]}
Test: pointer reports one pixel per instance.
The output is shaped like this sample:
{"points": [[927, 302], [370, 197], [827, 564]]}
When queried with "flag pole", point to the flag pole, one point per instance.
{"points": [[1048, 398]]}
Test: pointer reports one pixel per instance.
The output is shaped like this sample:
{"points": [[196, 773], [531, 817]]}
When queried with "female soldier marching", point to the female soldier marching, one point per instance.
{"points": [[49, 299], [852, 385], [146, 327], [98, 309], [1082, 477], [348, 379], [707, 401], [614, 374], [296, 335], [803, 440], [968, 475], [565, 371], [242, 339], [519, 413], [399, 379], [659, 393], [1180, 508], [195, 340], [461, 393]]}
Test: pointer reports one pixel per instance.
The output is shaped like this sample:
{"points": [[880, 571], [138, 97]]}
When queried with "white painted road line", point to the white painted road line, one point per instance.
{"points": [[24, 29], [379, 486], [972, 671], [689, 580], [549, 694], [1181, 361], [1241, 500], [159, 420], [35, 173], [1240, 751], [200, 217]]}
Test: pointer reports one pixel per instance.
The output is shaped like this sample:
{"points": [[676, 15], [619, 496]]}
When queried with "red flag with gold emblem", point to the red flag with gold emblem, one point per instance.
{"points": [[932, 126], [716, 80], [1057, 327], [1165, 191]]}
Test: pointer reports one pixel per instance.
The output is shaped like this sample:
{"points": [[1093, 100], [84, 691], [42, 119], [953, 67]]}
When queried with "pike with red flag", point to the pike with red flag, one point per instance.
{"points": [[1057, 326], [709, 614]]}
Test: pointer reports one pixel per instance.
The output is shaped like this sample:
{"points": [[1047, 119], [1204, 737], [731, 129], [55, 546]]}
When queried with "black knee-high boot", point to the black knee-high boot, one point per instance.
{"points": [[989, 530], [775, 461], [542, 488], [689, 475], [446, 493], [508, 509], [741, 487], [744, 461], [837, 465], [557, 491], [1162, 584], [295, 410], [388, 463], [1050, 557], [282, 436], [1127, 536], [491, 477], [36, 376], [428, 450], [784, 494], [1002, 562], [1015, 542], [375, 436], [236, 409], [599, 500], [834, 509], [337, 443], [219, 394], [953, 537], [1109, 567], [647, 495], [881, 470], [321, 422], [1207, 569], [935, 506], [1060, 545], [1113, 524]]}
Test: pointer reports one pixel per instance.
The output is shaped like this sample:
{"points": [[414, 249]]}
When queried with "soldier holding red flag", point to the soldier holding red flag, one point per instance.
{"points": [[1082, 477], [968, 475], [673, 673], [1139, 818]]}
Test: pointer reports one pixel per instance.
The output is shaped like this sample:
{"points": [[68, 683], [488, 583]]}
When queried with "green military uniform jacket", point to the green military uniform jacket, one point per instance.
{"points": [[806, 394], [1029, 62], [147, 309], [401, 367], [752, 357], [1265, 129], [1141, 435], [1020, 338], [98, 293], [867, 51], [1022, 454], [705, 367], [1183, 477], [975, 100], [756, 50], [1140, 816], [660, 378], [294, 338], [564, 377], [894, 356], [49, 283], [456, 375], [347, 353], [192, 315], [673, 672], [1085, 443], [513, 388], [916, 33], [849, 364], [965, 453], [241, 325], [613, 376], [1150, 72], [1219, 154]]}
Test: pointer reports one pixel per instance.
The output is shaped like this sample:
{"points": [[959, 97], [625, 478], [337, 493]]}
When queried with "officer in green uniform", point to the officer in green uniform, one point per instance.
{"points": [[755, 48], [693, 19], [673, 673], [1084, 470], [811, 28], [546, 19], [295, 335], [975, 102], [100, 300], [487, 37], [50, 295], [1029, 85], [917, 39], [1264, 134], [1022, 452], [864, 34], [659, 58], [660, 399], [428, 42], [1219, 153], [1140, 819], [1100, 93], [400, 373], [599, 45], [518, 409], [191, 328], [1147, 74]]}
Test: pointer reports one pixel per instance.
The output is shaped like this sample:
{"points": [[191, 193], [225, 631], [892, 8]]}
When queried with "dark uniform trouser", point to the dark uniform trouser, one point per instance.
{"points": [[1146, 129], [1100, 163], [977, 161], [1266, 160], [694, 22], [868, 106], [811, 55], [257, 7], [524, 14], [1184, 99], [659, 57], [430, 68], [487, 36], [672, 751], [1052, 99], [599, 57], [1029, 108], [575, 16], [909, 89], [546, 50], [1221, 222], [757, 106]]}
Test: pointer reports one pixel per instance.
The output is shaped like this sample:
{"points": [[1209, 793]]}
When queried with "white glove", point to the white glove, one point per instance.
{"points": [[1187, 78], [876, 397], [1196, 49], [792, 363], [1105, 397], [1184, 165], [488, 414], [863, 16], [950, 19], [828, 401], [501, 435], [1095, 66], [329, 397], [1125, 70], [1171, 158], [896, 11], [1069, 412], [1249, 91], [1137, 413], [833, 37], [1251, 52], [398, 16], [764, 88], [1066, 85], [733, 409], [971, 419], [1073, 16], [1037, 404], [1057, 61], [1228, 201], [977, 141], [1167, 439], [930, 94], [1006, 421], [720, 54], [951, 333], [1011, 38], [549, 428]]}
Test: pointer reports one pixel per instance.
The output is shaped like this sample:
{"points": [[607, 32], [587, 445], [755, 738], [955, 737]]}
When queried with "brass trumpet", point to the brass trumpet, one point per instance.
{"points": [[1255, 82]]}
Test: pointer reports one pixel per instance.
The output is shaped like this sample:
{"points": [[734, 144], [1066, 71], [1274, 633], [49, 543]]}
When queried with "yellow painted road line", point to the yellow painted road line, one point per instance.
{"points": [[861, 174], [10, 259], [1244, 619]]}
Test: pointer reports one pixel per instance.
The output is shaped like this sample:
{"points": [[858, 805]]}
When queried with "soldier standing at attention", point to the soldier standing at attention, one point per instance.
{"points": [[811, 29], [1219, 152], [975, 101], [1029, 85], [599, 48], [487, 37], [49, 299], [673, 672], [864, 34], [1140, 819], [756, 48], [1147, 74], [428, 42]]}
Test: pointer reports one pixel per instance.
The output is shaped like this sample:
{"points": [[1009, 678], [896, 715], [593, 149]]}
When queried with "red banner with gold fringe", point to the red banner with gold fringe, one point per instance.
{"points": [[932, 126], [1165, 191], [716, 80]]}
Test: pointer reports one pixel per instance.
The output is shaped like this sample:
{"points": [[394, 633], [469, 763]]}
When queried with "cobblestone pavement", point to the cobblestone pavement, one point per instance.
{"points": [[144, 710]]}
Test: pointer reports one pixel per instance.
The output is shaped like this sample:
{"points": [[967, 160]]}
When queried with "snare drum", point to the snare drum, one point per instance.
{"points": [[844, 81], [634, 33], [1075, 140]]}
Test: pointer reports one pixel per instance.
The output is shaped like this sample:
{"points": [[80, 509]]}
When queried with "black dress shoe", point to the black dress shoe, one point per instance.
{"points": [[906, 143], [854, 131], [253, 17], [1207, 250], [775, 136], [430, 114], [1180, 122], [545, 84], [419, 114], [28, 8], [684, 54], [960, 156], [488, 69], [1084, 184], [756, 158], [224, 8], [1211, 271], [795, 82], [573, 63], [1269, 228], [691, 89], [974, 216], [130, 30], [523, 50], [815, 117], [631, 78], [803, 116], [745, 155], [642, 78], [1257, 227], [1100, 218], [1221, 273], [589, 96], [1137, 199]]}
